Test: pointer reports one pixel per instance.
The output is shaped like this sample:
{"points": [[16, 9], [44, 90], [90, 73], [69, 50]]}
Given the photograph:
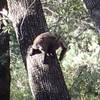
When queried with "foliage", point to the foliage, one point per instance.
{"points": [[81, 65], [19, 84]]}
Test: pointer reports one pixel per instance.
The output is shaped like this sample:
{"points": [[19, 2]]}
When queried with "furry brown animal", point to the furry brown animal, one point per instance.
{"points": [[48, 43]]}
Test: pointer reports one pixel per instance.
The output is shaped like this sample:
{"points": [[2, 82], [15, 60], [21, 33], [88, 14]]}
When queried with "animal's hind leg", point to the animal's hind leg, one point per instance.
{"points": [[62, 54]]}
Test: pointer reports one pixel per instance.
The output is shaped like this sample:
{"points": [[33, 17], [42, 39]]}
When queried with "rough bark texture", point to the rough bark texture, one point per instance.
{"points": [[28, 20], [93, 7], [3, 4], [4, 59], [46, 81]]}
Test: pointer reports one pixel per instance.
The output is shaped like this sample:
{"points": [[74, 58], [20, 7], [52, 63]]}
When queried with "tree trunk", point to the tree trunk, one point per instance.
{"points": [[46, 80], [93, 7], [4, 59], [3, 4], [28, 20]]}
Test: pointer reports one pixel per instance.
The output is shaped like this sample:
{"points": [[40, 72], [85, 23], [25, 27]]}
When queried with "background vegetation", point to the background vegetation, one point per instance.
{"points": [[81, 64]]}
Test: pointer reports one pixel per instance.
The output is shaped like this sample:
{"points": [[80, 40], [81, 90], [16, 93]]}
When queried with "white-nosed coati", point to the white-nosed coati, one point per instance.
{"points": [[48, 43]]}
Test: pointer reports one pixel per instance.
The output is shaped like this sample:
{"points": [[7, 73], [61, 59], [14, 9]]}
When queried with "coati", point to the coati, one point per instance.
{"points": [[48, 43]]}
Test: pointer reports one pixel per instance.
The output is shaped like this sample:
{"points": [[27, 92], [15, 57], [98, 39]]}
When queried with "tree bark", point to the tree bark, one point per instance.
{"points": [[46, 81], [93, 7], [28, 20], [4, 59], [3, 4]]}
